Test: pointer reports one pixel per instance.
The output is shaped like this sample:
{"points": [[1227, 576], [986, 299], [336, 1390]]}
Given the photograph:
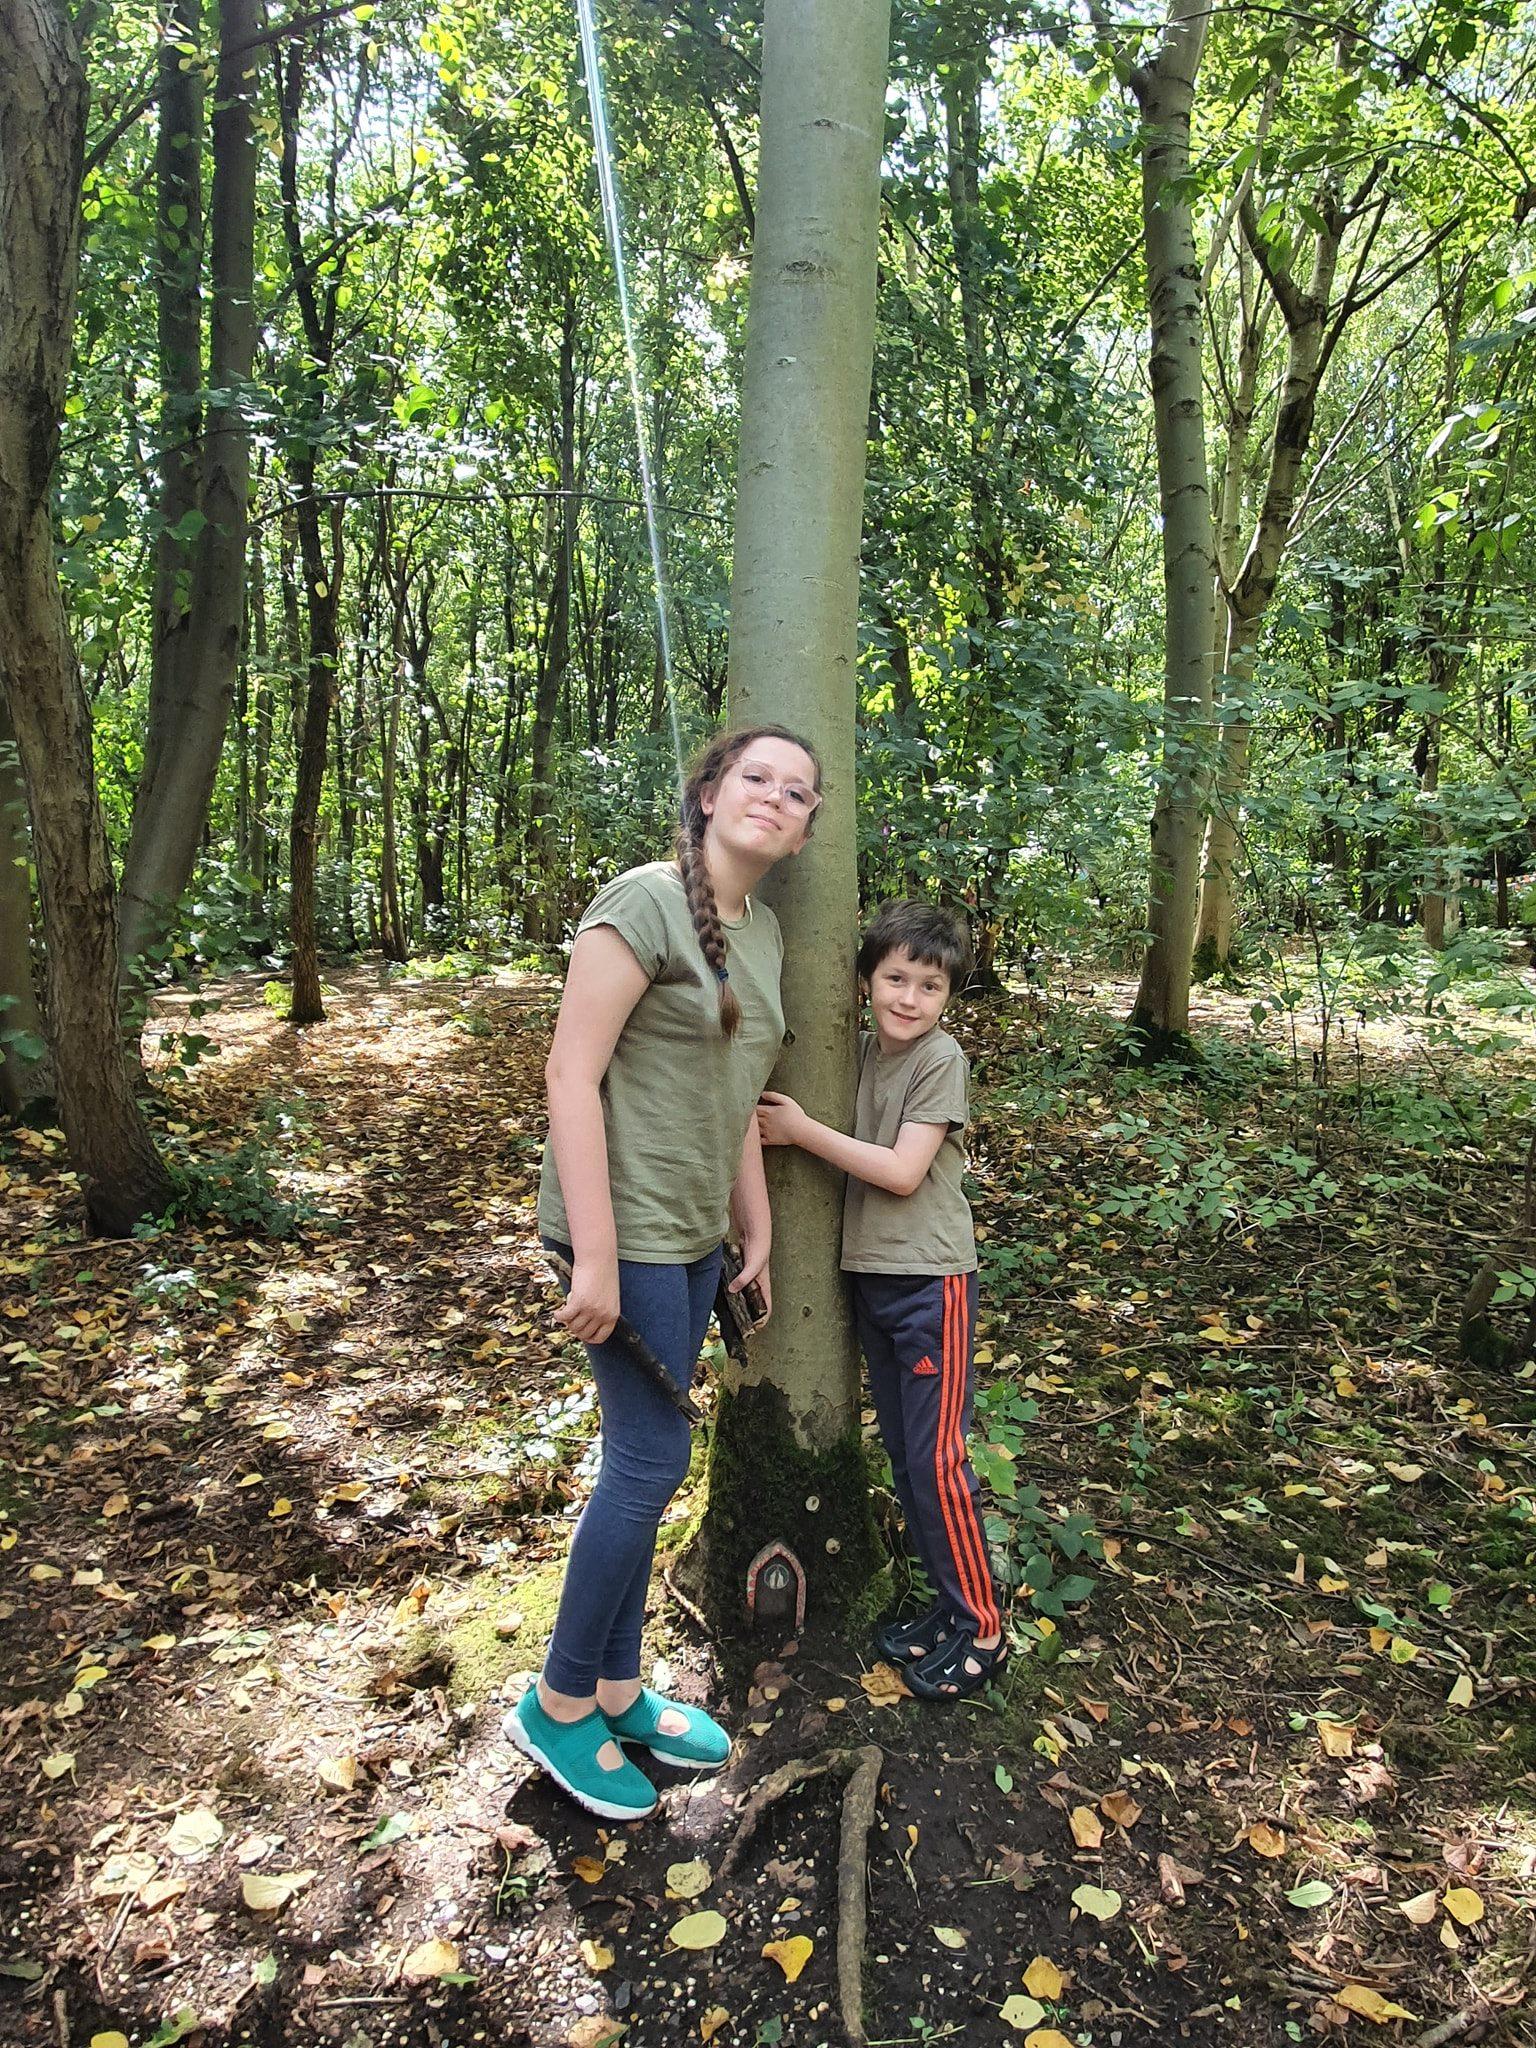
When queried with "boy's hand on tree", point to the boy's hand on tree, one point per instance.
{"points": [[591, 1308], [780, 1119]]}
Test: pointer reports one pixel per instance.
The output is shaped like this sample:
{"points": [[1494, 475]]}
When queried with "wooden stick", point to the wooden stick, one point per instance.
{"points": [[636, 1346], [852, 1881], [1448, 2030]]}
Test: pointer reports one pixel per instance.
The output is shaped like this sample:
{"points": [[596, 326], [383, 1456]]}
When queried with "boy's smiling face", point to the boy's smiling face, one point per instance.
{"points": [[907, 997]]}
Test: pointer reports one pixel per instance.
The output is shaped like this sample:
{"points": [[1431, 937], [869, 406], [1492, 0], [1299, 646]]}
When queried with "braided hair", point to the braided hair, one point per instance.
{"points": [[705, 773]]}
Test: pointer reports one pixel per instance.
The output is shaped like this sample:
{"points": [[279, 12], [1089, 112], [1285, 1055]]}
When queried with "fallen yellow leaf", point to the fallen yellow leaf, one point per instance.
{"points": [[1021, 2012], [1421, 1910], [698, 1930], [1043, 1980], [1087, 1828], [687, 1880], [431, 1959], [594, 2029], [1097, 1903], [1460, 1694], [1264, 1840], [1337, 1738], [1047, 2037], [589, 1869], [1362, 1999], [338, 1773], [951, 1937], [195, 1832], [884, 1686], [1121, 1808], [596, 1956], [269, 1894], [791, 1955], [1463, 1905], [712, 2022]]}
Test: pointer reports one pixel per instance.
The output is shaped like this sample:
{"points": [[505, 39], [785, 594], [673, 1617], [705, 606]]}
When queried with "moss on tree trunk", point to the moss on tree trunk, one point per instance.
{"points": [[766, 1486]]}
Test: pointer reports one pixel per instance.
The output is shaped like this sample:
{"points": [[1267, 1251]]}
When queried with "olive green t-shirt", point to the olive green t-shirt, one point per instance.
{"points": [[928, 1231], [678, 1094]]}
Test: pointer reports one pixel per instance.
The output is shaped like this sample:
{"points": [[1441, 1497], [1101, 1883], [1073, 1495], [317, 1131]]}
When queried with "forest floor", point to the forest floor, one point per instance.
{"points": [[282, 1521]]}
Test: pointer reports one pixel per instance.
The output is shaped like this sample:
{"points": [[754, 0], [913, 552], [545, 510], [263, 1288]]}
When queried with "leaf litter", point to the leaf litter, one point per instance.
{"points": [[257, 1488]]}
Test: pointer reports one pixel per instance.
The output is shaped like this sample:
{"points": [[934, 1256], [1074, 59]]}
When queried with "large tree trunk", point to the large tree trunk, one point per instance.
{"points": [[193, 682], [786, 1460], [42, 124], [1165, 89]]}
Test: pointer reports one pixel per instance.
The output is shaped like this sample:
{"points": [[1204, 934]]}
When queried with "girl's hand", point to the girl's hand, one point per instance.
{"points": [[780, 1119], [591, 1308], [754, 1266]]}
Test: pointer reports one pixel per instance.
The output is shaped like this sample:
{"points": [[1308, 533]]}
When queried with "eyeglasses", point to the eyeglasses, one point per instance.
{"points": [[759, 781]]}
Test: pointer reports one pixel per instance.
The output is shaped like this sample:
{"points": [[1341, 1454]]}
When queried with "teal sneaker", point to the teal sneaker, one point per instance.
{"points": [[704, 1744], [567, 1750]]}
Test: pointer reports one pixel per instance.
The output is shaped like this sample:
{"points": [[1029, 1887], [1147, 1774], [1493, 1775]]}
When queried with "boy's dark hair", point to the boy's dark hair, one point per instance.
{"points": [[938, 938]]}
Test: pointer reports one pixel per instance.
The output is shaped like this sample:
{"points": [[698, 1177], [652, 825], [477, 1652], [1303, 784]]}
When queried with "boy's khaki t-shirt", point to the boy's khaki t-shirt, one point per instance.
{"points": [[678, 1094], [928, 1231]]}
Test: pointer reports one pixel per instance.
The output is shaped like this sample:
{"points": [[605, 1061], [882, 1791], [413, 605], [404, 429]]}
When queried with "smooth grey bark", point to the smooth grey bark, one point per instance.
{"points": [[1165, 90], [42, 126], [197, 659], [794, 629]]}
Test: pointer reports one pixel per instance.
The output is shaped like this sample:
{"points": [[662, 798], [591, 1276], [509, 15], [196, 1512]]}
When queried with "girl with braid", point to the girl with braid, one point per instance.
{"points": [[669, 1027]]}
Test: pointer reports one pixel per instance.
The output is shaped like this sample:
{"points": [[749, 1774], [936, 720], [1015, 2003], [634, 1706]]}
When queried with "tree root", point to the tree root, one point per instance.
{"points": [[687, 1606], [861, 1767]]}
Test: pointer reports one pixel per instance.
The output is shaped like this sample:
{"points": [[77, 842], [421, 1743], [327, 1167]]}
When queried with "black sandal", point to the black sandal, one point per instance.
{"points": [[905, 1642], [956, 1668]]}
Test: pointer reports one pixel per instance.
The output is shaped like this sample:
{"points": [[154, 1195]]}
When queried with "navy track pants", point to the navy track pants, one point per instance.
{"points": [[917, 1333]]}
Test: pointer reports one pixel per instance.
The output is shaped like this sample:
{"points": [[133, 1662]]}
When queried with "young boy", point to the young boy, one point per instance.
{"points": [[909, 1249]]}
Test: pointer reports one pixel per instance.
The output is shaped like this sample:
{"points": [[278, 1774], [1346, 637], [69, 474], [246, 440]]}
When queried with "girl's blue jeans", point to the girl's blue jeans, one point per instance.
{"points": [[646, 1446]]}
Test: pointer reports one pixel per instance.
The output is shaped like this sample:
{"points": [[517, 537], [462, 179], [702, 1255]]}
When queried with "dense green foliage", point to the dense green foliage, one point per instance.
{"points": [[500, 730]]}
